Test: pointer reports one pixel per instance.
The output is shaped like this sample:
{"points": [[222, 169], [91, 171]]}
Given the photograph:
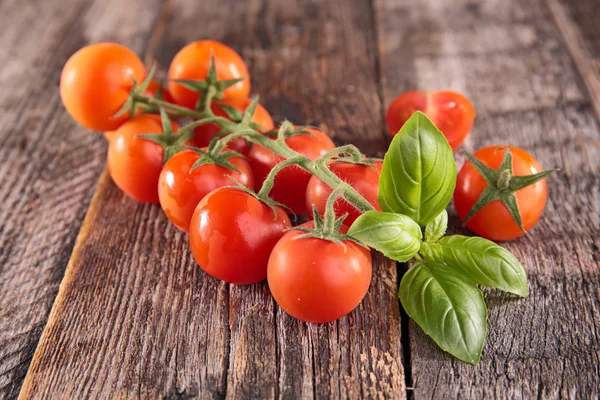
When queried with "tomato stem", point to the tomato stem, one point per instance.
{"points": [[182, 111], [270, 180], [278, 146], [329, 209], [504, 177]]}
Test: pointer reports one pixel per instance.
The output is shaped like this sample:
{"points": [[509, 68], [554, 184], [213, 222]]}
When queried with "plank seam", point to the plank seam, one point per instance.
{"points": [[402, 268]]}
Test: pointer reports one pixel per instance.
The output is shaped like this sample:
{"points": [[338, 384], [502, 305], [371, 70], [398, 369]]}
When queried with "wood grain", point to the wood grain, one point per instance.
{"points": [[510, 60], [578, 23], [135, 317], [49, 165]]}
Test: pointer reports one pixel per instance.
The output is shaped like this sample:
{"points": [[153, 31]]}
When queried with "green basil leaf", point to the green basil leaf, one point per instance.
{"points": [[448, 307], [395, 235], [432, 251], [483, 261], [419, 173], [436, 228]]}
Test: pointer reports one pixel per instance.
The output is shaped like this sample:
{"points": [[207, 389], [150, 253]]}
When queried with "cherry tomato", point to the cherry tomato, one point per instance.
{"points": [[316, 280], [232, 235], [451, 112], [205, 133], [135, 163], [361, 177], [291, 182], [96, 82], [180, 190], [152, 91], [494, 220], [192, 63]]}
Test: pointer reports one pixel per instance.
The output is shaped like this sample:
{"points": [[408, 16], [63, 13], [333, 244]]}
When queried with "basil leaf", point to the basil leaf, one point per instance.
{"points": [[436, 228], [395, 235], [419, 173], [483, 261], [448, 307]]}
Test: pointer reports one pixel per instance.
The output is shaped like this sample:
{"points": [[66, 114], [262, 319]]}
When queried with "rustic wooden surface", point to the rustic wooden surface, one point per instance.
{"points": [[135, 317]]}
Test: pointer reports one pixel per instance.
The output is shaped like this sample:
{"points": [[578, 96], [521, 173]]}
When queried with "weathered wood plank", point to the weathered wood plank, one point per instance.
{"points": [[137, 317], [49, 165], [510, 60], [577, 21]]}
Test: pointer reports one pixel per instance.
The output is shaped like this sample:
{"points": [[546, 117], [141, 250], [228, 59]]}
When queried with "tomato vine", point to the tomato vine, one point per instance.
{"points": [[417, 180]]}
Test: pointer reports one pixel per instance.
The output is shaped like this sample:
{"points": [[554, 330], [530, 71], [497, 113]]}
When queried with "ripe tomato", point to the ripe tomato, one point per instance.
{"points": [[135, 163], [95, 83], [232, 235], [494, 220], [152, 90], [361, 177], [451, 112], [180, 190], [192, 63], [316, 280], [205, 133], [291, 182]]}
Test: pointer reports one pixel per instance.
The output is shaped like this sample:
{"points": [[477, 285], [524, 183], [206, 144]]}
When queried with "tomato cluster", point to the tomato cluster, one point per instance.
{"points": [[208, 189]]}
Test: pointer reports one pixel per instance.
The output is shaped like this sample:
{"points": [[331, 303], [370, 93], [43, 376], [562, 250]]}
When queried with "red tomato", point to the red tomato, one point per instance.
{"points": [[316, 280], [152, 91], [205, 133], [451, 112], [96, 82], [494, 221], [232, 235], [192, 63], [135, 163], [362, 178], [180, 190], [291, 182]]}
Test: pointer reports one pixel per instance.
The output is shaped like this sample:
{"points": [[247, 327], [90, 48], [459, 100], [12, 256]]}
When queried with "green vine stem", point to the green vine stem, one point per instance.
{"points": [[329, 217], [317, 167]]}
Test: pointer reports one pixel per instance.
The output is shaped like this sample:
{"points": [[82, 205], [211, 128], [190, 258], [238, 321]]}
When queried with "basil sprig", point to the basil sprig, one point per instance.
{"points": [[439, 292]]}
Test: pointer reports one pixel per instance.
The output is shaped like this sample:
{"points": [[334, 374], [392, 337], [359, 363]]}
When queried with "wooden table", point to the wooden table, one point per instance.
{"points": [[100, 297]]}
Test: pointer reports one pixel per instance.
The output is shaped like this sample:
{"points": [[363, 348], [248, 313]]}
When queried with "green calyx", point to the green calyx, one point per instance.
{"points": [[326, 231], [210, 88], [502, 185], [221, 159], [329, 227], [133, 103], [169, 141]]}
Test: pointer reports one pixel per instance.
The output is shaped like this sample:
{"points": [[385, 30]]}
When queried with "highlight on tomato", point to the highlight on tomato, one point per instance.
{"points": [[95, 84], [181, 188], [451, 112], [363, 178], [232, 234], [134, 163], [193, 62], [500, 192], [291, 182], [203, 134], [318, 280]]}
